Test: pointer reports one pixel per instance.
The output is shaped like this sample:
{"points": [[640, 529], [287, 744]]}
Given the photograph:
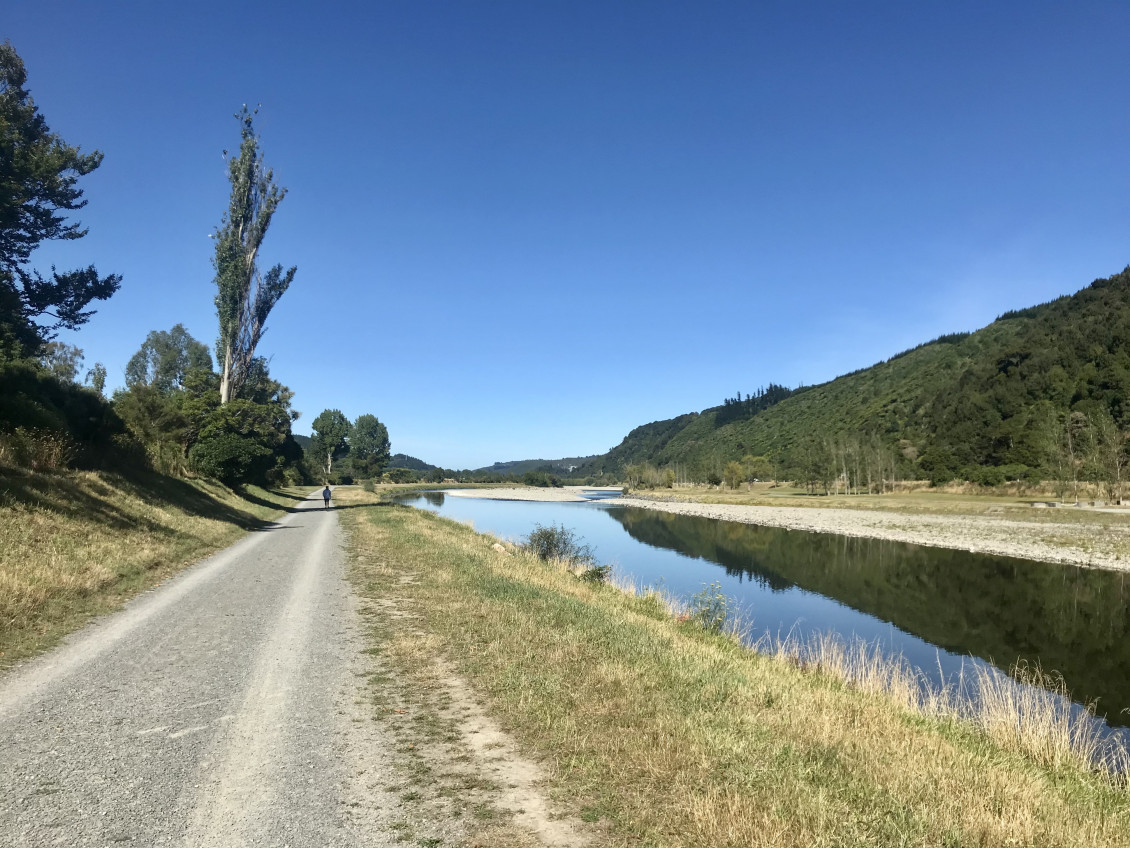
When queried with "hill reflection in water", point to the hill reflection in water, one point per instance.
{"points": [[1071, 620]]}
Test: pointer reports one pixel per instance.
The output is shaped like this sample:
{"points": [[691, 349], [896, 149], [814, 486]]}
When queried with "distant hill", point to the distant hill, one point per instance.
{"points": [[972, 405], [401, 460], [554, 466], [303, 441]]}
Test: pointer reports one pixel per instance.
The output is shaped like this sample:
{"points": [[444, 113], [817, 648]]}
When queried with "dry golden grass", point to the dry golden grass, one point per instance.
{"points": [[75, 544], [677, 737], [1029, 711]]}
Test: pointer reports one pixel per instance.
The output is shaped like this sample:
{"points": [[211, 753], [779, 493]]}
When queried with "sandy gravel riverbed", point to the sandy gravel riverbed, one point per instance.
{"points": [[1095, 545], [530, 493]]}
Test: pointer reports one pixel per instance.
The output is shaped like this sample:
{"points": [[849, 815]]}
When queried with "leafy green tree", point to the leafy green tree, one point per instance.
{"points": [[244, 297], [96, 378], [62, 360], [756, 468], [368, 445], [1067, 439], [159, 423], [816, 464], [1110, 446], [165, 358], [39, 173], [330, 438], [733, 474], [237, 442]]}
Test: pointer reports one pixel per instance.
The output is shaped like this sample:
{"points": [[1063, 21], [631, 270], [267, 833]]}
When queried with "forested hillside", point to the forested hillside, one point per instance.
{"points": [[565, 465], [1040, 391]]}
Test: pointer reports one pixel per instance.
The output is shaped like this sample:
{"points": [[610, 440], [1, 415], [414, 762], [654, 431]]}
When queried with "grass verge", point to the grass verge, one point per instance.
{"points": [[77, 544], [668, 735]]}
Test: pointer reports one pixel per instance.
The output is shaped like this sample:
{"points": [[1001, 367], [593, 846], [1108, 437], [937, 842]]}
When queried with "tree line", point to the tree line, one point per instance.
{"points": [[180, 412]]}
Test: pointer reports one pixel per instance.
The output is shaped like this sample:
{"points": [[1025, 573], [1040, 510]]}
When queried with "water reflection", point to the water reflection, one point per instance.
{"points": [[1069, 619]]}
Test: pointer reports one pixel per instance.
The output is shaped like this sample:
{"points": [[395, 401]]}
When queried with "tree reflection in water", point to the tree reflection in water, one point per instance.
{"points": [[1068, 619]]}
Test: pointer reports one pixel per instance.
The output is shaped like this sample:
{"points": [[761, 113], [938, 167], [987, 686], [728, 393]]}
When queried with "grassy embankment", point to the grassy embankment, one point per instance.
{"points": [[73, 545], [663, 734]]}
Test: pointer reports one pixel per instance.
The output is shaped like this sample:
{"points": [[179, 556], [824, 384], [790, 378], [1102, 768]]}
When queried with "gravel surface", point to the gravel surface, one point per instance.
{"points": [[221, 708]]}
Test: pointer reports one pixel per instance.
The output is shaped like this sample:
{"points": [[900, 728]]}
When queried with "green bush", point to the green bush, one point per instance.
{"points": [[229, 457], [34, 401], [559, 543], [541, 478], [401, 475], [596, 574], [989, 475]]}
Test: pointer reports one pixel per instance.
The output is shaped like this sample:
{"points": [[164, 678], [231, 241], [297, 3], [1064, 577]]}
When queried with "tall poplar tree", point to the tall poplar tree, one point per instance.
{"points": [[244, 297]]}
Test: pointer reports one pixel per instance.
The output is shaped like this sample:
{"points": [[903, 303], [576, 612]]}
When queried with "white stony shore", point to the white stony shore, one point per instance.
{"points": [[1091, 545], [530, 493]]}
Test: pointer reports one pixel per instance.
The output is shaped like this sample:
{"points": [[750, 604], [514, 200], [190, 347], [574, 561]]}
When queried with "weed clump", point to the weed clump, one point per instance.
{"points": [[560, 544], [710, 608]]}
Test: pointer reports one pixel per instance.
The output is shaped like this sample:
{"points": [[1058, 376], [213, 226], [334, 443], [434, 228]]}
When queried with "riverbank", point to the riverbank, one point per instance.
{"points": [[1092, 539], [653, 731]]}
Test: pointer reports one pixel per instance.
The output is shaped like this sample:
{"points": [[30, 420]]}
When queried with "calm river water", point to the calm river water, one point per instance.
{"points": [[939, 608]]}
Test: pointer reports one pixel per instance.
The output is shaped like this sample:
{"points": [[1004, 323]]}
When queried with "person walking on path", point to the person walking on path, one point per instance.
{"points": [[326, 495]]}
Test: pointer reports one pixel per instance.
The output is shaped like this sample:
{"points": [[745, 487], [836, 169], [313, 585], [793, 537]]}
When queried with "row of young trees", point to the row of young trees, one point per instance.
{"points": [[1083, 450], [1086, 447]]}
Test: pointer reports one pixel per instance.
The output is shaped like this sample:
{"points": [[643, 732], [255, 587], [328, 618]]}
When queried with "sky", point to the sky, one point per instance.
{"points": [[524, 228]]}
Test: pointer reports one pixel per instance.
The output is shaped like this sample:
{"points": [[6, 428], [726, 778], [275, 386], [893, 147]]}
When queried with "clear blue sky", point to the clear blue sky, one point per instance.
{"points": [[523, 228]]}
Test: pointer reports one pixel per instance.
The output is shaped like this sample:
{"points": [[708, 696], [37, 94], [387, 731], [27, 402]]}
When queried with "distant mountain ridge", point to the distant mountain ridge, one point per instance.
{"points": [[957, 405], [554, 466]]}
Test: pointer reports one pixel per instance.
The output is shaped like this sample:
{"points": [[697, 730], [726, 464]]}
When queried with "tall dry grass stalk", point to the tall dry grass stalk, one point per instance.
{"points": [[1029, 711]]}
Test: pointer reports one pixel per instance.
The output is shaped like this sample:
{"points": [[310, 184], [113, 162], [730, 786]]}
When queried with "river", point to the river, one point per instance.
{"points": [[940, 609]]}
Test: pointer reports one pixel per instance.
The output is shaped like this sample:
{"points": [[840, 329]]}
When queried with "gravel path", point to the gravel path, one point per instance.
{"points": [[219, 709]]}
